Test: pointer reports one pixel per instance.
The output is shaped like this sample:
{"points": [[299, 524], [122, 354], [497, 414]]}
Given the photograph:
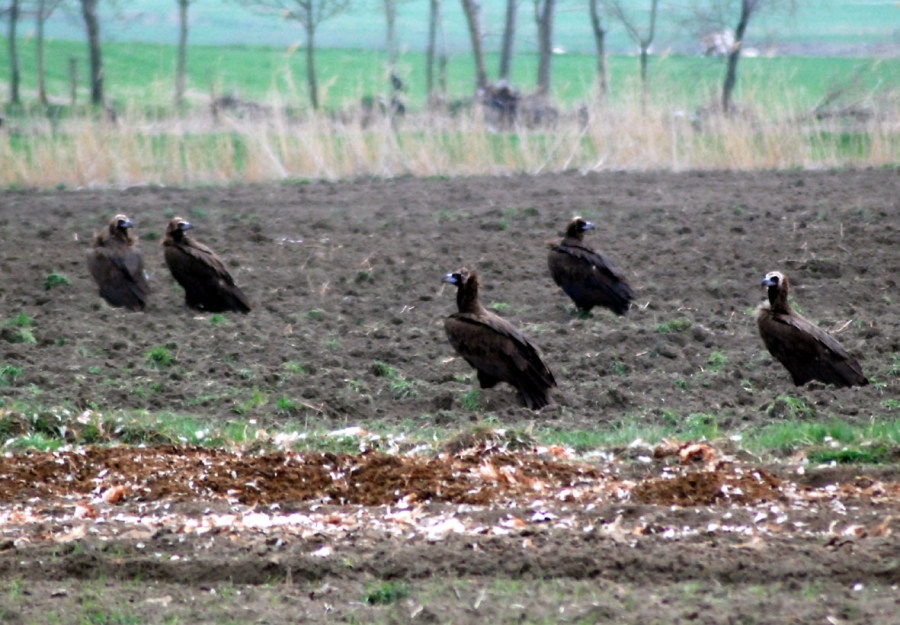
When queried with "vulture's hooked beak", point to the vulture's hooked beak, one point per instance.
{"points": [[450, 278], [185, 225]]}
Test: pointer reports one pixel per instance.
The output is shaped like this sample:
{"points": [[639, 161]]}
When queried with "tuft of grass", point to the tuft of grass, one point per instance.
{"points": [[400, 387], [387, 592], [217, 319], [676, 325], [287, 406], [499, 306], [715, 362], [793, 408], [8, 374], [20, 331], [314, 314], [471, 400], [159, 357], [54, 280], [294, 367]]}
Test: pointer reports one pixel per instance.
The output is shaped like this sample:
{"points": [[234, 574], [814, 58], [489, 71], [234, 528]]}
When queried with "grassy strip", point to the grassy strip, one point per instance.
{"points": [[832, 440]]}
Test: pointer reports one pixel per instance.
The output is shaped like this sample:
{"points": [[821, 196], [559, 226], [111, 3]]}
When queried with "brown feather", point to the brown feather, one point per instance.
{"points": [[805, 350], [587, 276], [117, 266], [207, 283], [497, 350]]}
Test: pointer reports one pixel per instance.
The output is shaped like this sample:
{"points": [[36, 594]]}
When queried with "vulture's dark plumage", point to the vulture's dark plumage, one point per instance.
{"points": [[207, 284], [587, 276], [806, 351], [497, 350], [118, 266]]}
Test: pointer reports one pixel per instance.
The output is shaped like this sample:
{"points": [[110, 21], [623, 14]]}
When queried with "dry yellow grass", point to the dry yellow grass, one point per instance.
{"points": [[201, 149]]}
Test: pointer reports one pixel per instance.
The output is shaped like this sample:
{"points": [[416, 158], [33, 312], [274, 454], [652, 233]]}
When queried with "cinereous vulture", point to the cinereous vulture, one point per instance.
{"points": [[497, 350], [587, 276], [207, 284], [117, 266], [805, 350]]}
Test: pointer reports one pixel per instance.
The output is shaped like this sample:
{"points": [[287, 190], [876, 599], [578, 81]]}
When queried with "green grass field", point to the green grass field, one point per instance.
{"points": [[143, 74]]}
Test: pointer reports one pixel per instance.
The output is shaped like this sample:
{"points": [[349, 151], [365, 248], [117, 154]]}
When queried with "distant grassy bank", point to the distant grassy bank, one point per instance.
{"points": [[143, 74]]}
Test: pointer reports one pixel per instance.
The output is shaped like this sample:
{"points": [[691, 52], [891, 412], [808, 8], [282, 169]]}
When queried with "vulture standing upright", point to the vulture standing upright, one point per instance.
{"points": [[207, 284], [806, 351], [497, 350], [587, 276], [118, 266]]}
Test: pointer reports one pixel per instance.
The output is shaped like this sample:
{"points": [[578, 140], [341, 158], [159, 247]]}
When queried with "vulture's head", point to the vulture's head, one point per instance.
{"points": [[777, 285], [119, 226], [176, 228], [461, 278], [466, 289], [577, 228]]}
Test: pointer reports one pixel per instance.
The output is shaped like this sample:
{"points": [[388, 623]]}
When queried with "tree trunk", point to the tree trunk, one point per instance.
{"points": [[39, 51], [645, 53], [600, 40], [545, 45], [472, 10], [390, 14], [89, 12], [181, 61], [509, 31], [311, 63], [433, 17], [14, 75], [747, 7]]}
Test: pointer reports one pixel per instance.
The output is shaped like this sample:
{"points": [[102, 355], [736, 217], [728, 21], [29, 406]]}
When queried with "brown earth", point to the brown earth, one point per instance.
{"points": [[347, 275]]}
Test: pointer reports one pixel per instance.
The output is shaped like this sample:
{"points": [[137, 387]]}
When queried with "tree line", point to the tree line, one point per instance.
{"points": [[640, 26]]}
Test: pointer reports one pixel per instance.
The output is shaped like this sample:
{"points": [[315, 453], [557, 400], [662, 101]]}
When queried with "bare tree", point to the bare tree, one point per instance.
{"points": [[618, 11], [543, 15], [435, 28], [718, 16], [310, 14], [506, 47], [92, 25], [181, 61], [12, 15], [43, 10], [600, 40], [472, 9]]}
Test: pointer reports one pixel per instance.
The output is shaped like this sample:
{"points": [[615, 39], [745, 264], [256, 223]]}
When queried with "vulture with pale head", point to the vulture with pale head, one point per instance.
{"points": [[805, 350], [117, 266]]}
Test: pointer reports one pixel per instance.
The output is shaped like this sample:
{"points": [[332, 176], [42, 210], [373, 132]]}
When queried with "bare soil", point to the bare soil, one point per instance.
{"points": [[346, 276]]}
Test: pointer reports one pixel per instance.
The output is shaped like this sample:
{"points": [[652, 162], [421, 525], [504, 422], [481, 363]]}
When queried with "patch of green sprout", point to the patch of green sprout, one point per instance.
{"points": [[386, 593], [681, 383], [793, 408], [8, 374], [294, 367], [159, 357], [21, 332], [619, 368], [54, 280], [217, 319], [471, 400], [401, 388], [499, 306], [314, 314], [332, 343], [150, 235], [716, 361], [286, 406], [676, 325]]}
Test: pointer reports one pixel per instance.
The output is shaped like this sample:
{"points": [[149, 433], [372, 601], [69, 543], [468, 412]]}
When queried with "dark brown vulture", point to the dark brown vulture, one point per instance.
{"points": [[587, 276], [497, 350], [118, 266], [806, 351], [207, 284]]}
